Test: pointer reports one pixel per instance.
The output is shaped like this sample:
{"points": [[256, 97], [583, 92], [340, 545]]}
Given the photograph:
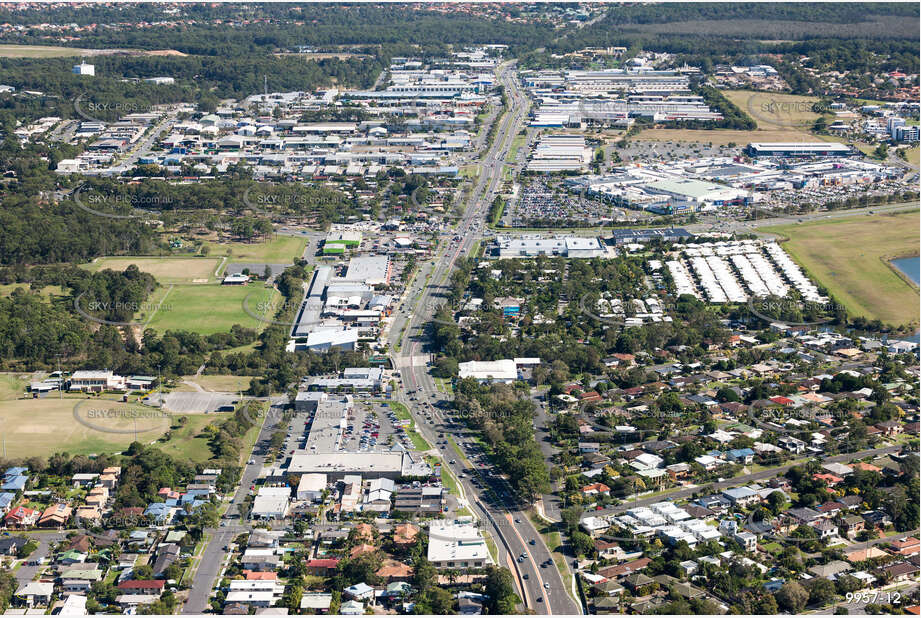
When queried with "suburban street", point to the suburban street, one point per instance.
{"points": [[739, 480], [213, 556]]}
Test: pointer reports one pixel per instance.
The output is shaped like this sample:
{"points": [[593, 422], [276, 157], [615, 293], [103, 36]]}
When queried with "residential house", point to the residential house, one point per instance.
{"points": [[152, 587]]}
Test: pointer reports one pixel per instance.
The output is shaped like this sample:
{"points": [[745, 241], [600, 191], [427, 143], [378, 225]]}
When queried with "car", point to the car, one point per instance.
{"points": [[547, 585], [540, 599], [532, 542], [520, 559], [524, 576]]}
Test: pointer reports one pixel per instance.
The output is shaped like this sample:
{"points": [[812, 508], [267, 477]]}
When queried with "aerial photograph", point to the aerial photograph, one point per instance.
{"points": [[459, 308]]}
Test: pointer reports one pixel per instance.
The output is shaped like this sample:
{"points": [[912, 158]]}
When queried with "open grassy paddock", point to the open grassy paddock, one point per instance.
{"points": [[186, 442], [46, 292], [165, 269], [850, 257], [218, 383], [724, 137], [40, 51], [774, 110], [279, 250], [213, 308]]}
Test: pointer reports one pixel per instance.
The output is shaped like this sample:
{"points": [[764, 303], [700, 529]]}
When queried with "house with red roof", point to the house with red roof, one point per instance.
{"points": [[20, 517], [321, 566], [907, 547], [595, 489], [142, 586], [829, 479]]}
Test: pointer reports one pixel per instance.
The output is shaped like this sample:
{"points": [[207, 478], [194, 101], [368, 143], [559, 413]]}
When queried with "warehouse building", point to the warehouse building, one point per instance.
{"points": [[554, 246]]}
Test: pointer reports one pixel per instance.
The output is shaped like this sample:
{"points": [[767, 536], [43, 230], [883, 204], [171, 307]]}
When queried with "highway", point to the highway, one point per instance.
{"points": [[486, 492]]}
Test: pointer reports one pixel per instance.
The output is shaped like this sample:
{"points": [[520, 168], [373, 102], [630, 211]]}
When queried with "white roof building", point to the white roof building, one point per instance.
{"points": [[504, 371], [453, 544], [311, 486]]}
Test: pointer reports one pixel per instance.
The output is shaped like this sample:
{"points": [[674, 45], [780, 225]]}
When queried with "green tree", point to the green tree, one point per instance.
{"points": [[792, 597]]}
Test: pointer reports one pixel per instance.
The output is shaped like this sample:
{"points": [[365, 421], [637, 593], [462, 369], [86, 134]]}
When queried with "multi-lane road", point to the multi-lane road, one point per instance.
{"points": [[485, 491]]}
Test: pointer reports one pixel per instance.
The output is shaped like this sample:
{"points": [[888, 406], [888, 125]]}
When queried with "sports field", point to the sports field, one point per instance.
{"points": [[165, 269], [44, 426], [213, 308], [279, 250], [850, 257]]}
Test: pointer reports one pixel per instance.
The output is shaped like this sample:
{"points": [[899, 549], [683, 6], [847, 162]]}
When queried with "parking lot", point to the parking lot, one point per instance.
{"points": [[197, 403], [372, 426], [541, 204]]}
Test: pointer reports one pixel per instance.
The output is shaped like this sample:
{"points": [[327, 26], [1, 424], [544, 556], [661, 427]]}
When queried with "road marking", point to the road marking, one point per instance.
{"points": [[540, 580]]}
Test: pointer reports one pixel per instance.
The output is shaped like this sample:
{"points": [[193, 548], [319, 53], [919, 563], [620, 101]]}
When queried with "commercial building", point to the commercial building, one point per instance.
{"points": [[553, 246], [505, 371], [271, 503], [456, 544], [337, 465], [805, 149]]}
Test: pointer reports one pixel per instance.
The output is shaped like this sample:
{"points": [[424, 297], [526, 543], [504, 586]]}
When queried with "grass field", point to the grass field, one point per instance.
{"points": [[40, 51], [214, 308], [279, 250], [166, 270], [911, 155], [184, 443], [723, 137], [12, 385], [470, 172], [46, 292], [517, 143], [219, 383], [44, 426], [850, 258], [773, 110]]}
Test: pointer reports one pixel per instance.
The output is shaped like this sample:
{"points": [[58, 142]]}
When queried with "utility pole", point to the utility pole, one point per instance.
{"points": [[60, 384]]}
